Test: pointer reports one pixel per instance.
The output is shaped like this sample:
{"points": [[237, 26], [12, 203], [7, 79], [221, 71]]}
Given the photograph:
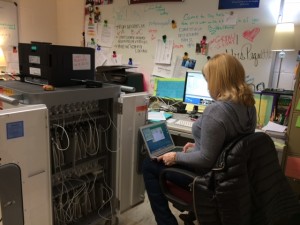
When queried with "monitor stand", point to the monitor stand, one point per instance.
{"points": [[194, 114]]}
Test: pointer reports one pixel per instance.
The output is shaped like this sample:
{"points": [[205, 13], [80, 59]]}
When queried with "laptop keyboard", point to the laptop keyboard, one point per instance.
{"points": [[185, 123]]}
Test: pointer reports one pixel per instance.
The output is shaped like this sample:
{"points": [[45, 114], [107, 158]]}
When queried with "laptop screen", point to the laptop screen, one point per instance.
{"points": [[157, 137]]}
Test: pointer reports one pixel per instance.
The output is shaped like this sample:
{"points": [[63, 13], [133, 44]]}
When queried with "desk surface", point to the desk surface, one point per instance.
{"points": [[179, 130], [184, 131]]}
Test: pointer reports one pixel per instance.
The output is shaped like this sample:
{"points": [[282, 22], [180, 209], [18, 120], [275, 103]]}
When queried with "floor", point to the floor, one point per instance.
{"points": [[142, 214]]}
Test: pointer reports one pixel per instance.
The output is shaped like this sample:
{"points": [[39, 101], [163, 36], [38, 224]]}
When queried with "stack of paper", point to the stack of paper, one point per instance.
{"points": [[271, 126], [158, 116], [275, 130]]}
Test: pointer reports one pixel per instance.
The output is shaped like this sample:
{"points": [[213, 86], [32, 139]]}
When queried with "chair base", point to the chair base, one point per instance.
{"points": [[188, 218]]}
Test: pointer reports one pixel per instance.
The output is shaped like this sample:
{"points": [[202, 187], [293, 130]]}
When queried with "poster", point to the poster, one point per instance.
{"points": [[237, 4], [146, 1]]}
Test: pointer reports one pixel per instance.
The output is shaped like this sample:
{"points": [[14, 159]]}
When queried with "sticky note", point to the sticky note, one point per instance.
{"points": [[298, 105], [201, 108], [189, 107], [298, 122]]}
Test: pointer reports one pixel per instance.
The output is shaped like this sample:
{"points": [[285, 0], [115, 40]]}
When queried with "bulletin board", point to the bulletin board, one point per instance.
{"points": [[135, 31], [9, 33]]}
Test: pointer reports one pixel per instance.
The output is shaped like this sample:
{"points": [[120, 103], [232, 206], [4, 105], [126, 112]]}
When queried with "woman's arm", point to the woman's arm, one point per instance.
{"points": [[211, 143]]}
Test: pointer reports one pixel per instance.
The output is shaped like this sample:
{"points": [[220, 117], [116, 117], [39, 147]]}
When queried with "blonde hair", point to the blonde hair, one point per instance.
{"points": [[226, 80]]}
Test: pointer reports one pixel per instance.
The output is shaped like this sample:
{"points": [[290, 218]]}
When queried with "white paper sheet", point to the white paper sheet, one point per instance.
{"points": [[163, 53], [271, 126], [156, 116]]}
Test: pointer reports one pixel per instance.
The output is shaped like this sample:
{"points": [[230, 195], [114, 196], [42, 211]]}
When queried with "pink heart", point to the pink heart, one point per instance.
{"points": [[251, 34]]}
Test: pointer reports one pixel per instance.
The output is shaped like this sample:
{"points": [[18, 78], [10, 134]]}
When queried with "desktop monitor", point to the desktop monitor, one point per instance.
{"points": [[196, 89]]}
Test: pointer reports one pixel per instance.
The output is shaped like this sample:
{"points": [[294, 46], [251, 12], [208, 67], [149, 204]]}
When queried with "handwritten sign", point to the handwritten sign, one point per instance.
{"points": [[8, 24], [81, 61], [246, 34], [132, 37]]}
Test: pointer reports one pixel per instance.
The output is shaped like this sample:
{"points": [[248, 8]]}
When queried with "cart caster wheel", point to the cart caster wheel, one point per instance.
{"points": [[114, 221]]}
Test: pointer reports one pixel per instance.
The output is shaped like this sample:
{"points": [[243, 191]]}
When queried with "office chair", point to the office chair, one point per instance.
{"points": [[181, 198], [245, 169]]}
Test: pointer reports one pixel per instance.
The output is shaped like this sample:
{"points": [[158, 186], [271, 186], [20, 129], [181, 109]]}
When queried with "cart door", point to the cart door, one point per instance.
{"points": [[130, 188], [24, 141]]}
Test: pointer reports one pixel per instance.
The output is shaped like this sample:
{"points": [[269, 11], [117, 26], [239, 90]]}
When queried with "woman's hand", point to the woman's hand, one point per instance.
{"points": [[188, 146], [169, 158]]}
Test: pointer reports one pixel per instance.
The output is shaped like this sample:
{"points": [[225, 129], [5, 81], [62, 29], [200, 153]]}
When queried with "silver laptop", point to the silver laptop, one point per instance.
{"points": [[158, 139]]}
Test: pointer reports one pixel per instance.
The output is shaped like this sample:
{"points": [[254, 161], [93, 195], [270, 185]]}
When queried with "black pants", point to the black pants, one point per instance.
{"points": [[159, 204]]}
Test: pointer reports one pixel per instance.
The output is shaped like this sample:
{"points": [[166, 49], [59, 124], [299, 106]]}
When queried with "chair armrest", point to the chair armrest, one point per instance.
{"points": [[176, 200], [179, 171]]}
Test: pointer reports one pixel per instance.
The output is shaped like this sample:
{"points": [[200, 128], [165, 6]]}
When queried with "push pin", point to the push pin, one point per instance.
{"points": [[164, 37], [174, 25]]}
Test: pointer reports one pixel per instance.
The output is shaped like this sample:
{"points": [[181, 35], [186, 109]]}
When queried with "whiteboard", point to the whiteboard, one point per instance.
{"points": [[9, 34], [245, 33], [8, 24]]}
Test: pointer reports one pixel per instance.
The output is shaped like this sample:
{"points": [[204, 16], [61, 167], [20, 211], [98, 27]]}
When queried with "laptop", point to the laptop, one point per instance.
{"points": [[158, 139]]}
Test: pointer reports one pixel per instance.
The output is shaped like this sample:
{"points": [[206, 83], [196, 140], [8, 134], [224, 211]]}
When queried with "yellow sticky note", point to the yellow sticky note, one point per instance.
{"points": [[201, 108], [189, 107], [298, 105], [298, 122]]}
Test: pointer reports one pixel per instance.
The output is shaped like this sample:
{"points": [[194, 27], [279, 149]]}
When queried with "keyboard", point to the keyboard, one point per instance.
{"points": [[185, 123]]}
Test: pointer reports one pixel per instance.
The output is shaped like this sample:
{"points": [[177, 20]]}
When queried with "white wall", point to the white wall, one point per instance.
{"points": [[38, 20], [70, 22], [61, 22], [56, 21]]}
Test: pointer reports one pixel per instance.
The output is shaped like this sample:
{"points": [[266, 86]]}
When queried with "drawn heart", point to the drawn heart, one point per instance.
{"points": [[251, 34]]}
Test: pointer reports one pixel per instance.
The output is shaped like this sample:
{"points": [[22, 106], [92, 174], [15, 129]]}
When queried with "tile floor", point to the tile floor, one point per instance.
{"points": [[142, 215]]}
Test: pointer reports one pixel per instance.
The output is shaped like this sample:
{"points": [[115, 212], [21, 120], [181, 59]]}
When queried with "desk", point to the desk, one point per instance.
{"points": [[177, 129], [181, 135]]}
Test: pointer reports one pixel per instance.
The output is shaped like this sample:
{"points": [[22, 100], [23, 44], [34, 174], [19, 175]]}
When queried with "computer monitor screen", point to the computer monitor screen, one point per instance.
{"points": [[196, 89]]}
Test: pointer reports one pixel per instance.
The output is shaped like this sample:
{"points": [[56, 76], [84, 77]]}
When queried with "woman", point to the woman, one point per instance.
{"points": [[232, 114]]}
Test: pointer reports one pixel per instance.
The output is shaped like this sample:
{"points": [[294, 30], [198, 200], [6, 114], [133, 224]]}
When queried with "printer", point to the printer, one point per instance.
{"points": [[57, 65], [119, 75]]}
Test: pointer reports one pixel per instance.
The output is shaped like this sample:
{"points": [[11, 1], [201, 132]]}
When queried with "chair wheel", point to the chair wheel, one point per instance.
{"points": [[187, 218], [188, 223]]}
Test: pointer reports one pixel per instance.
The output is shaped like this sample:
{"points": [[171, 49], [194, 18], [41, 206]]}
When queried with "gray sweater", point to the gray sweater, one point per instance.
{"points": [[220, 123]]}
